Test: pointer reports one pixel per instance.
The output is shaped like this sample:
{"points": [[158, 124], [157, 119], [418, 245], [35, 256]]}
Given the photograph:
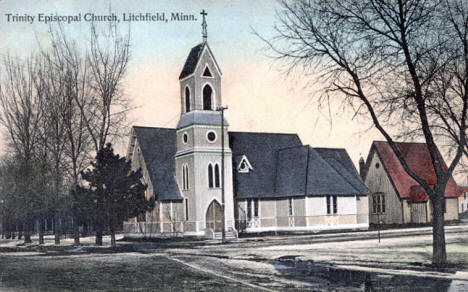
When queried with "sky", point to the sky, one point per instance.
{"points": [[261, 96]]}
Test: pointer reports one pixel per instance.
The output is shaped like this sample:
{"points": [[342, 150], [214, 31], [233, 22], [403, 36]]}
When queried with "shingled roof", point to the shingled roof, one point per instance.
{"points": [[418, 159], [158, 146], [304, 171], [283, 167], [339, 159], [261, 150], [192, 60]]}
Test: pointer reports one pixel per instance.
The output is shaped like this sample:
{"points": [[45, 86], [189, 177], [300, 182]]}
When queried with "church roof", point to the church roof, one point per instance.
{"points": [[209, 118], [261, 150], [284, 167], [158, 147], [339, 159], [192, 61]]}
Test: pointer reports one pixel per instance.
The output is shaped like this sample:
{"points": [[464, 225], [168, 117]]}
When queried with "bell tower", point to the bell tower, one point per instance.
{"points": [[199, 143]]}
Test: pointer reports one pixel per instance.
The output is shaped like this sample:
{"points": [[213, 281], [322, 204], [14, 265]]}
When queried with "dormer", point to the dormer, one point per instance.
{"points": [[244, 165]]}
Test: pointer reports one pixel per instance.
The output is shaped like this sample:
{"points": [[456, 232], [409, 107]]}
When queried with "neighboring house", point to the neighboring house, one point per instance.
{"points": [[395, 197], [463, 200], [272, 181]]}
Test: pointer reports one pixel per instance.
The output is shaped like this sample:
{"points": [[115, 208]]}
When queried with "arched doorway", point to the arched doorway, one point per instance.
{"points": [[214, 217]]}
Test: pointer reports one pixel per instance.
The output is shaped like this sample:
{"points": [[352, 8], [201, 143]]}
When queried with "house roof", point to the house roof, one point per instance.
{"points": [[158, 147], [192, 61], [462, 190], [283, 167], [419, 160]]}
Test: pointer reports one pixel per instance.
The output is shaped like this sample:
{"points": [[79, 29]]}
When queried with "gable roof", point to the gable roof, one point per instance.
{"points": [[284, 167], [304, 171], [418, 158], [192, 60], [339, 159], [261, 150], [158, 147]]}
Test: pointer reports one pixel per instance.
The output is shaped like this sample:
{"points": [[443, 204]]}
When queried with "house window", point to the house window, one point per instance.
{"points": [[332, 205], [185, 138], [207, 97], [378, 203], [187, 99], [290, 207], [210, 175], [216, 172], [186, 209], [464, 196], [252, 208]]}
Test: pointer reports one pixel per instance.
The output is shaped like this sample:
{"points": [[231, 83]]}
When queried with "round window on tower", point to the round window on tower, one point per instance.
{"points": [[211, 136], [185, 138]]}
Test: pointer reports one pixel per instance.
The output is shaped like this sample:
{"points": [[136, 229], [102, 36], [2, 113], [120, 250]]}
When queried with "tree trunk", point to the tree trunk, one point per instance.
{"points": [[41, 231], [98, 234], [439, 254], [27, 232], [20, 231], [112, 233], [56, 230], [76, 232]]}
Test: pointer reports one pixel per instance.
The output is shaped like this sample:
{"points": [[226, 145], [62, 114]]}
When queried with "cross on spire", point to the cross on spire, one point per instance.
{"points": [[204, 25]]}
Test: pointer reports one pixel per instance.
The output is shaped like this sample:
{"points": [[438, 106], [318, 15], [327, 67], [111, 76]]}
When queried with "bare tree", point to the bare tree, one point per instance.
{"points": [[390, 61], [21, 113], [66, 58], [105, 114]]}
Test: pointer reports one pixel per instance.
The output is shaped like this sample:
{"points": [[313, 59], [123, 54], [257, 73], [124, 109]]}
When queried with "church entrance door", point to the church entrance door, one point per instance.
{"points": [[214, 217]]}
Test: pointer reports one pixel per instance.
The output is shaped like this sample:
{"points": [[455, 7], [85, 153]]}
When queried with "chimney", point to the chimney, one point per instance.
{"points": [[362, 168]]}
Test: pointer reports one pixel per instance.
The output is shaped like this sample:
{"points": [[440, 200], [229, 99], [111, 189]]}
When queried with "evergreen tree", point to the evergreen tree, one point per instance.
{"points": [[115, 192]]}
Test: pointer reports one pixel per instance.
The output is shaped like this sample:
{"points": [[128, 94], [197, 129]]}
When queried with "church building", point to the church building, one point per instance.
{"points": [[263, 181]]}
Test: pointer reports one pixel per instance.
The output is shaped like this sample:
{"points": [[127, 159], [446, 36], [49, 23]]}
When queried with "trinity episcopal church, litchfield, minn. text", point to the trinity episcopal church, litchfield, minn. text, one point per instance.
{"points": [[272, 182]]}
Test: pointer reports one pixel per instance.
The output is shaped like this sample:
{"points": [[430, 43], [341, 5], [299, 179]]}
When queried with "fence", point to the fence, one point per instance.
{"points": [[255, 224]]}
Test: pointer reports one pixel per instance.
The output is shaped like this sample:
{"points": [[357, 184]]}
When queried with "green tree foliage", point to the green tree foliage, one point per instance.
{"points": [[115, 192]]}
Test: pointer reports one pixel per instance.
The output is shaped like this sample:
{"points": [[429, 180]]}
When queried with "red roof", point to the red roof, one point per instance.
{"points": [[419, 160]]}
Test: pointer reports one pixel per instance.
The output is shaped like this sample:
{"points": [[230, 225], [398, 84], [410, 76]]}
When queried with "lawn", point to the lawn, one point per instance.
{"points": [[104, 272]]}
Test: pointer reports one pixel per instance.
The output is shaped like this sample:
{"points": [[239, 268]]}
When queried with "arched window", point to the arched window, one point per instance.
{"points": [[216, 175], [185, 178], [187, 99], [210, 175], [207, 97]]}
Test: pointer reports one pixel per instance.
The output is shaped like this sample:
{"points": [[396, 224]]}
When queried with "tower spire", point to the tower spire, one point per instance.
{"points": [[204, 25]]}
